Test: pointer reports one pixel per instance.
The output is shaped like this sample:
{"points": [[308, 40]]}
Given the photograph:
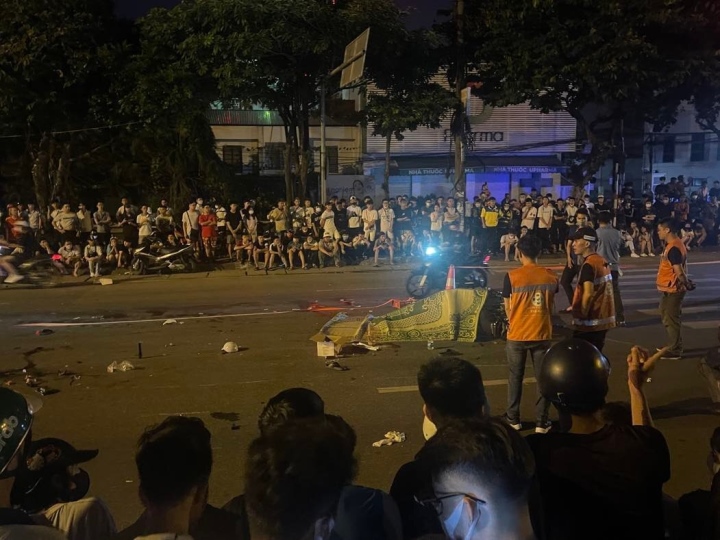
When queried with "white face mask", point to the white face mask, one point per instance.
{"points": [[451, 523], [429, 429]]}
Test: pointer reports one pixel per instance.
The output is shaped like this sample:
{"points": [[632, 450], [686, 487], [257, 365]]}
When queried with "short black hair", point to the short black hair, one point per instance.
{"points": [[488, 450], [530, 246], [583, 212], [290, 404], [604, 218], [669, 223], [172, 458], [295, 475], [452, 387]]}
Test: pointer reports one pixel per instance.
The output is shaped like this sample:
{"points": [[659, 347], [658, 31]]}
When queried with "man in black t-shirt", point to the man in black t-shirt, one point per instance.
{"points": [[598, 480]]}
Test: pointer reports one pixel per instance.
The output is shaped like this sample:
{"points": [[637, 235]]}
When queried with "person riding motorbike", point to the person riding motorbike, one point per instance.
{"points": [[22, 248]]}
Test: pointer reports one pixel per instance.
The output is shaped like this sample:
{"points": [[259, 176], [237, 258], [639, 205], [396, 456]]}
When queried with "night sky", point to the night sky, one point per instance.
{"points": [[422, 11]]}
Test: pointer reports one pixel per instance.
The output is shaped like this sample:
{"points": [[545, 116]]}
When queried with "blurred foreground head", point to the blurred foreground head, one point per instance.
{"points": [[295, 475]]}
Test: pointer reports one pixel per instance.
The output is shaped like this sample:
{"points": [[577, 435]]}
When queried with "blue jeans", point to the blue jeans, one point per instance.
{"points": [[517, 352]]}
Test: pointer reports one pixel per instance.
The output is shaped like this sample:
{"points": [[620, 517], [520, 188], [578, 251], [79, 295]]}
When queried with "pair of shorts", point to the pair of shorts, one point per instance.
{"points": [[194, 235]]}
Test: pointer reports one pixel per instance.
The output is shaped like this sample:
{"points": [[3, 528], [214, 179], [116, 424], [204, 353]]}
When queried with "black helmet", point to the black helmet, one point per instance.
{"points": [[574, 374], [16, 417]]}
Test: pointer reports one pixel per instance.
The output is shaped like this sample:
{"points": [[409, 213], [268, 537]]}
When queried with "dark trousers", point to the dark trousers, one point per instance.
{"points": [[596, 338], [670, 312], [568, 275], [619, 309], [517, 353], [544, 236], [489, 240]]}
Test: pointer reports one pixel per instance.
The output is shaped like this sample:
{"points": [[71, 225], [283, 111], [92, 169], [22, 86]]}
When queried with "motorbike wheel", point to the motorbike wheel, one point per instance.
{"points": [[43, 277], [419, 285], [139, 266]]}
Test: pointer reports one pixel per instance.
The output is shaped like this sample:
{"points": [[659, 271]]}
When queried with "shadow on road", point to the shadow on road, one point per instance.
{"points": [[685, 407]]}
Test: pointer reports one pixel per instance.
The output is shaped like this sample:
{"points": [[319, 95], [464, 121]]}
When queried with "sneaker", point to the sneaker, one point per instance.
{"points": [[14, 278], [644, 255], [635, 255], [542, 429], [517, 426], [621, 324], [652, 254]]}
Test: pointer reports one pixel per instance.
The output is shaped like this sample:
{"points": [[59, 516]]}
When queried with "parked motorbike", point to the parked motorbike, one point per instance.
{"points": [[174, 259], [431, 275]]}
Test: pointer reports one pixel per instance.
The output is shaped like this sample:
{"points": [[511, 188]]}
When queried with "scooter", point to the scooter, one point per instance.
{"points": [[176, 259], [431, 275], [40, 271]]}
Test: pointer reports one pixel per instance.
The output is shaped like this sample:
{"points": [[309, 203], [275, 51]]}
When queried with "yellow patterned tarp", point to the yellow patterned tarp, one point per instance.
{"points": [[444, 316]]}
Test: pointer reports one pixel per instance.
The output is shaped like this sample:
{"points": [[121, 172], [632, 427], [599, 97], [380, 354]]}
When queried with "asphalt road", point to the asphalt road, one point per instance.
{"points": [[183, 372]]}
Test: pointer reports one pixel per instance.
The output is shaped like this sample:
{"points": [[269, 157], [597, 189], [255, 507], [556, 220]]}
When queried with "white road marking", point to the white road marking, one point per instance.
{"points": [[135, 321], [414, 388], [359, 289]]}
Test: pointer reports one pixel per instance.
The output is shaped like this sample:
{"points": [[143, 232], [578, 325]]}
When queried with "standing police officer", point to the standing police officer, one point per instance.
{"points": [[593, 306]]}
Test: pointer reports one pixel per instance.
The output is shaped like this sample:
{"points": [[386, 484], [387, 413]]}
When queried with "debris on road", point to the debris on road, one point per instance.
{"points": [[391, 437], [105, 281], [230, 347], [74, 379], [44, 332], [122, 366], [31, 381], [366, 346], [170, 321], [334, 364]]}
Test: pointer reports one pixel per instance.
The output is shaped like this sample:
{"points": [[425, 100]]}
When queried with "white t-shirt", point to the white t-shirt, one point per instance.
{"points": [[86, 519], [144, 225], [508, 239], [387, 216], [354, 216], [529, 218], [369, 218], [546, 213], [329, 217]]}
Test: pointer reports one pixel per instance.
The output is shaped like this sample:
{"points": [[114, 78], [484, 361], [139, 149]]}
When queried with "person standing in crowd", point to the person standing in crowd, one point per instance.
{"points": [[280, 216], [610, 241], [573, 262], [546, 216], [66, 224], [369, 218], [127, 218], [490, 217], [593, 308], [85, 223], [529, 215], [102, 221], [672, 282], [529, 296], [190, 226], [598, 480], [482, 473], [144, 225], [208, 230]]}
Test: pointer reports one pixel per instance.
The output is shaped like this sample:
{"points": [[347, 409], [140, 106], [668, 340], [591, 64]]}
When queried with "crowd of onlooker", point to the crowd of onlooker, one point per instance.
{"points": [[345, 232], [598, 474]]}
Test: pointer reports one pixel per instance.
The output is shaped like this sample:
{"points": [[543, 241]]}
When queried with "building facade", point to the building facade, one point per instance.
{"points": [[512, 149], [682, 149]]}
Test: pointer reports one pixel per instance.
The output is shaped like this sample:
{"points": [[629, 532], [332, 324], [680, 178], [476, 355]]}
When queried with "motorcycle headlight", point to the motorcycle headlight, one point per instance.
{"points": [[430, 251]]}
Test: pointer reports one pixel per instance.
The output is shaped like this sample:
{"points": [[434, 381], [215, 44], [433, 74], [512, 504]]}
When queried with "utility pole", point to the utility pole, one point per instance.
{"points": [[460, 86]]}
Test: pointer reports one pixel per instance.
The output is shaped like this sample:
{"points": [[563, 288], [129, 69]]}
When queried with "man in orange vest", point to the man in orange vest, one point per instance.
{"points": [[672, 282], [529, 294], [593, 306]]}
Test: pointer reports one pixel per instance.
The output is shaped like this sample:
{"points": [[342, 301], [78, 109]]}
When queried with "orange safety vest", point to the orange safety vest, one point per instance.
{"points": [[602, 306], [666, 279], [531, 303]]}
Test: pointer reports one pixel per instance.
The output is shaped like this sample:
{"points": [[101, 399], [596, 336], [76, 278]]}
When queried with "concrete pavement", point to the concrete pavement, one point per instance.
{"points": [[183, 371]]}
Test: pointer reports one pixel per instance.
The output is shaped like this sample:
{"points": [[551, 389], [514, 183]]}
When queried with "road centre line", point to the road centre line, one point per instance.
{"points": [[136, 321], [414, 388], [359, 289]]}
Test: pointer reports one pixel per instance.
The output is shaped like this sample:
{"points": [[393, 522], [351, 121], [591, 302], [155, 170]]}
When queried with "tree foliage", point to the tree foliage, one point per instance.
{"points": [[56, 61], [604, 62]]}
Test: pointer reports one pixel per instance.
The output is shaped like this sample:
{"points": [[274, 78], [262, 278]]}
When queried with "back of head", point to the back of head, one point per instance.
{"points": [[452, 388], [487, 452], [295, 475], [715, 440], [293, 403], [173, 457], [670, 223], [16, 413], [574, 376], [605, 218], [530, 246]]}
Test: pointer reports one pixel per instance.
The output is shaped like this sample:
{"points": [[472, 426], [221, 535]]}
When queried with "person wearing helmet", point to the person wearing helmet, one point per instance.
{"points": [[598, 480], [17, 414], [593, 305]]}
